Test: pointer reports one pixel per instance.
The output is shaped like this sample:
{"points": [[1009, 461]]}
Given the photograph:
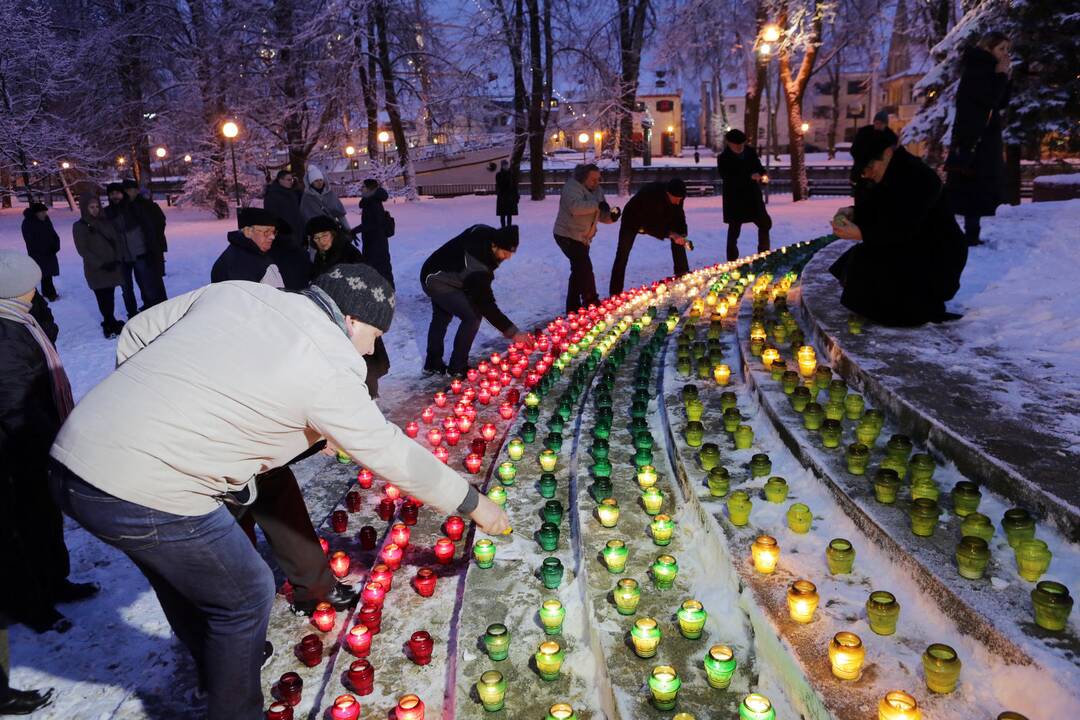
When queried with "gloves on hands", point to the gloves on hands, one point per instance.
{"points": [[615, 213]]}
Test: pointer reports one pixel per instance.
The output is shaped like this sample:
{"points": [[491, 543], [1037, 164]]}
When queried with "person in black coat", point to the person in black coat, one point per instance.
{"points": [[254, 254], [976, 166], [910, 251], [657, 210], [42, 244], [457, 277], [507, 194], [35, 397], [282, 198], [742, 174], [373, 228], [151, 220]]}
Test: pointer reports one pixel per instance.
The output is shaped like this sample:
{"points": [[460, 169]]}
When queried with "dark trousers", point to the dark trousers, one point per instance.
{"points": [[106, 302], [376, 249], [147, 272], [506, 220], [214, 588], [581, 288], [972, 228], [378, 365], [627, 235], [47, 287], [127, 289], [279, 509], [764, 224], [446, 304]]}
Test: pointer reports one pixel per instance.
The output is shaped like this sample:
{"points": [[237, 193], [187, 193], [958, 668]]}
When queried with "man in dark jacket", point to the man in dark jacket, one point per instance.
{"points": [[282, 198], [657, 210], [506, 194], [152, 222], [910, 251], [256, 255], [42, 244], [35, 397], [373, 228], [96, 241], [741, 173], [457, 277]]}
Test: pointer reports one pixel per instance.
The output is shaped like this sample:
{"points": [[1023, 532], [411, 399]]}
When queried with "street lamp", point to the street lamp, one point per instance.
{"points": [[120, 161], [160, 152], [384, 137], [804, 127], [187, 158], [65, 165], [770, 34], [349, 152], [230, 130], [583, 140]]}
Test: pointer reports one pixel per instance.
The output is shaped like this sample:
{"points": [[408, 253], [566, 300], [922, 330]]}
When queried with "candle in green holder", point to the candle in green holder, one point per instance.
{"points": [[507, 473], [599, 450], [866, 433], [552, 614], [738, 506], [719, 666], [643, 457], [756, 707], [492, 690], [846, 654], [552, 512], [556, 424], [776, 489], [834, 410], [921, 466], [789, 380], [1052, 604], [551, 572], [972, 556], [875, 416], [532, 415], [646, 477], [643, 440], [548, 459], [652, 499], [709, 456], [662, 527], [601, 468], [689, 391], [924, 516], [882, 612], [641, 410], [528, 432], [777, 370], [799, 518], [800, 398], [1018, 525], [553, 441], [728, 400], [664, 570], [615, 553], [548, 537], [645, 636], [607, 511], [548, 484], [694, 433], [601, 431], [484, 552], [731, 419], [831, 433], [854, 325], [627, 595], [822, 377], [941, 666], [515, 450], [694, 409], [858, 457], [719, 481], [744, 437], [854, 405], [497, 495], [896, 464], [691, 616], [886, 485], [837, 390], [532, 400], [664, 684], [760, 465], [925, 489], [813, 415], [966, 497], [977, 525], [549, 659], [497, 641], [898, 447], [1032, 559], [840, 555]]}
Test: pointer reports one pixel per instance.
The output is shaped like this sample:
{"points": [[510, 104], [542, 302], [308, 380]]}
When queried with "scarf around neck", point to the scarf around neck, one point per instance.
{"points": [[326, 303], [17, 311]]}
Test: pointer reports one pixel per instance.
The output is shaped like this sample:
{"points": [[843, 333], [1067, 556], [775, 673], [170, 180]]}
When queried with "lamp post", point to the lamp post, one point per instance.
{"points": [[583, 140], [769, 35], [160, 153], [350, 151], [384, 137], [230, 130]]}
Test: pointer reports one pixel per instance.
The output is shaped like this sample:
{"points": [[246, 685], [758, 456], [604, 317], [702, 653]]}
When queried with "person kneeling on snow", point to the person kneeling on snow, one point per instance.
{"points": [[211, 389], [255, 254], [457, 277], [910, 252]]}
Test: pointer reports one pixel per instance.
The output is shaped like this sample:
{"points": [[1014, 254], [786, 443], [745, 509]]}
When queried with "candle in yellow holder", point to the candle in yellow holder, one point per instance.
{"points": [[646, 476], [766, 553], [769, 356], [846, 653], [807, 361], [721, 374], [802, 599], [645, 635], [898, 705]]}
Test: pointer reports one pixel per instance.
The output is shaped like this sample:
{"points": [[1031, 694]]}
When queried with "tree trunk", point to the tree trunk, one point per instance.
{"points": [[757, 80], [793, 89], [536, 97], [513, 31], [365, 71], [393, 110], [292, 81], [425, 125], [834, 119], [631, 38], [213, 102]]}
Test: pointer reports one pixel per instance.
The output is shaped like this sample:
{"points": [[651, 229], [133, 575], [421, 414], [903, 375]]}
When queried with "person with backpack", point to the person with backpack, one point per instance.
{"points": [[376, 228]]}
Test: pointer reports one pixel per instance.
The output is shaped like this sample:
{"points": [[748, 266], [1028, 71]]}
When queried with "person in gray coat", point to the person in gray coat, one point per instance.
{"points": [[97, 241], [319, 199], [581, 206]]}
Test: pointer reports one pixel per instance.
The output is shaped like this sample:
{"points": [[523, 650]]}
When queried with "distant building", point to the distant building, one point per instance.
{"points": [[906, 63]]}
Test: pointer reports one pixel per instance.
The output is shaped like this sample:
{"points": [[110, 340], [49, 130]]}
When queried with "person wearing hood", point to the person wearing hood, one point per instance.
{"points": [[741, 173], [42, 244], [656, 209], [507, 194], [96, 241], [282, 198], [318, 199], [374, 228], [581, 206], [137, 263], [457, 277], [151, 219], [254, 254], [975, 167]]}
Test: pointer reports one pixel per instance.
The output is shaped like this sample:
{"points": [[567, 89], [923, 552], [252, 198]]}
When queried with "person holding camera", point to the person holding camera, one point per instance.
{"points": [[581, 206], [742, 174]]}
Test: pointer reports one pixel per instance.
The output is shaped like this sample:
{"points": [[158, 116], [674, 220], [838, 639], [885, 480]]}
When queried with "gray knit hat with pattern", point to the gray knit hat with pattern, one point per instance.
{"points": [[361, 293]]}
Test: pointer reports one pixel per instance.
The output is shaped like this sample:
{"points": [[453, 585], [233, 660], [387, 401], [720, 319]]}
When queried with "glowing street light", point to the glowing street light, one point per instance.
{"points": [[65, 165], [187, 158], [161, 152], [349, 152], [765, 49], [120, 161], [770, 33], [805, 127], [583, 139], [230, 130], [384, 137]]}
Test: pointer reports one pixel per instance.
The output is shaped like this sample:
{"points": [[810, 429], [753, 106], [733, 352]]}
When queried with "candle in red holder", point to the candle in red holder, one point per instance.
{"points": [[339, 521], [409, 707], [310, 650], [324, 616], [434, 436], [339, 564], [473, 462], [383, 575], [516, 371], [290, 687], [427, 415], [420, 647], [444, 550], [368, 538], [440, 399], [325, 545], [410, 513], [484, 396], [345, 707], [424, 582], [279, 711], [442, 454], [532, 379], [361, 677], [505, 378], [385, 509], [450, 421], [464, 424], [392, 491], [399, 534], [452, 435], [364, 478], [470, 412], [513, 396], [488, 431], [482, 367], [359, 640], [493, 374], [391, 555], [459, 409], [373, 594], [472, 374], [370, 616], [478, 446], [353, 501], [454, 527], [412, 428], [486, 383], [456, 386]]}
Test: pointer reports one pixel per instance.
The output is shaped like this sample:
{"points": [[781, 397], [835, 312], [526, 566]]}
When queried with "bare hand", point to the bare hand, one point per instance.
{"points": [[756, 177], [847, 231], [678, 239], [491, 518], [525, 339]]}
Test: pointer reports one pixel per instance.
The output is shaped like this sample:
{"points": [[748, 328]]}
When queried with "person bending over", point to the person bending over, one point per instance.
{"points": [[657, 210]]}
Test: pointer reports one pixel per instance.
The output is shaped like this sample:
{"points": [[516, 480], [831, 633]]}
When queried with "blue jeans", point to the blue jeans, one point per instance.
{"points": [[214, 587]]}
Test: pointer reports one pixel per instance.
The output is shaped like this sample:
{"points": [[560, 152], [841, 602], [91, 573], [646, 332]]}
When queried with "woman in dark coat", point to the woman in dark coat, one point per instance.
{"points": [[742, 173], [42, 244], [373, 228], [976, 166], [506, 195], [96, 240]]}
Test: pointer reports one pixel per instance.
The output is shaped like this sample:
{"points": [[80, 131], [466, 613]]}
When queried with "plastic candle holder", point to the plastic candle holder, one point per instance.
{"points": [[924, 516], [664, 570], [941, 666], [789, 380], [709, 456], [807, 361], [718, 481], [497, 641], [822, 378], [769, 356], [507, 472], [548, 485], [662, 527], [652, 499], [552, 614], [776, 489], [279, 711], [345, 707], [608, 512], [409, 707], [290, 688], [898, 705], [664, 684], [1018, 525], [627, 595], [339, 521], [484, 552], [497, 495], [846, 654], [561, 711], [898, 448], [551, 572], [731, 419], [324, 616], [549, 659], [600, 450], [492, 690], [972, 556], [831, 433], [802, 600], [813, 415], [756, 707], [553, 441], [339, 564], [552, 512], [361, 676], [694, 409], [548, 460], [719, 666], [420, 647], [799, 518], [615, 554], [370, 615], [840, 555], [921, 465], [722, 375], [515, 450], [424, 582], [694, 433], [359, 640], [1052, 604], [854, 405], [965, 497], [858, 457], [977, 525], [400, 534], [866, 432], [760, 465], [738, 506], [645, 636], [1032, 559], [691, 616], [886, 485], [310, 650], [744, 437], [548, 536]]}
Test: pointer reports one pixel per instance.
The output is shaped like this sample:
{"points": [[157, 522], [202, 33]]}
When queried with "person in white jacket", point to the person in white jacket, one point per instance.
{"points": [[211, 389], [319, 199], [581, 206]]}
